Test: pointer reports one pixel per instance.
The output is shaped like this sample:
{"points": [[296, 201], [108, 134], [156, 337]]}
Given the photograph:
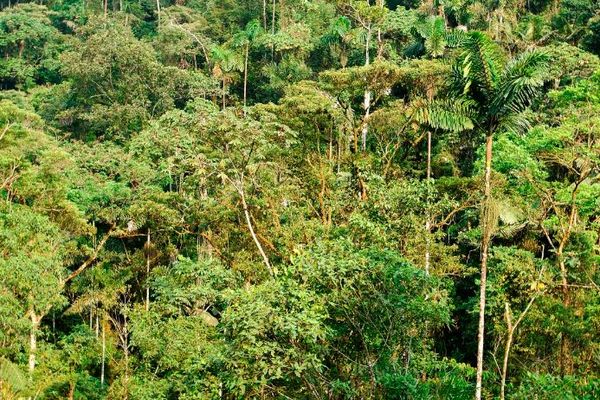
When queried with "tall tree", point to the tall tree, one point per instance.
{"points": [[225, 65], [244, 39], [501, 91], [367, 17]]}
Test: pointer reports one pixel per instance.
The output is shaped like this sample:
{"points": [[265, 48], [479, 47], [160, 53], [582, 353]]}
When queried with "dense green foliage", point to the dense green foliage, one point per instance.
{"points": [[299, 200]]}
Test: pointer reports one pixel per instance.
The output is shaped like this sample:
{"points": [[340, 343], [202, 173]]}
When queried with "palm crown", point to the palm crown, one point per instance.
{"points": [[500, 90]]}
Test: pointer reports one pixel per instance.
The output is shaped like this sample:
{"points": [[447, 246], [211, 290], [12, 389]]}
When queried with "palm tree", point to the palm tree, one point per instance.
{"points": [[432, 38], [226, 63], [500, 90], [338, 37], [244, 39]]}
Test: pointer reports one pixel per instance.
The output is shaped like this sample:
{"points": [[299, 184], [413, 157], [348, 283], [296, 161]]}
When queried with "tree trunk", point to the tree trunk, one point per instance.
{"points": [[148, 271], [21, 48], [428, 216], [367, 98], [272, 29], [565, 353], [565, 344], [485, 242], [126, 356], [251, 229], [71, 390], [35, 324], [102, 366], [380, 3], [264, 14], [246, 76], [224, 88], [158, 12], [509, 339]]}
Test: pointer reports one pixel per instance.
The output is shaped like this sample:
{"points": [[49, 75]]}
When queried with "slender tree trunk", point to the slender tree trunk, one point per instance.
{"points": [[246, 77], [565, 344], [102, 366], [338, 156], [158, 12], [105, 8], [509, 338], [71, 394], [379, 44], [380, 3], [126, 356], [272, 28], [264, 14], [485, 242], [428, 221], [330, 147], [251, 229], [148, 271], [367, 98], [224, 88], [35, 324]]}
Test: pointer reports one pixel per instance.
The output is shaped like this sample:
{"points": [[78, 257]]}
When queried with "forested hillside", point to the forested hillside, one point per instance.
{"points": [[299, 199]]}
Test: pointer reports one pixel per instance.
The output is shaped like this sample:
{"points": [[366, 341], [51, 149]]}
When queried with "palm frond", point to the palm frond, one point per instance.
{"points": [[455, 38], [513, 122], [414, 49], [449, 115], [337, 31], [430, 37], [521, 82], [435, 41], [12, 376], [481, 64]]}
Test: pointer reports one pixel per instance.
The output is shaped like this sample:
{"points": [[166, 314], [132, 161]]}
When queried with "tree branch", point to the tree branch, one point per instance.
{"points": [[91, 258]]}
